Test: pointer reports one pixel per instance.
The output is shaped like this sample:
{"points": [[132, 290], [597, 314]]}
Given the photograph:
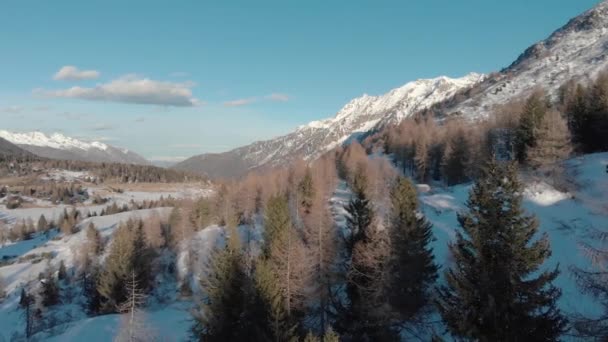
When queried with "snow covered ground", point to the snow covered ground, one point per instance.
{"points": [[566, 217]]}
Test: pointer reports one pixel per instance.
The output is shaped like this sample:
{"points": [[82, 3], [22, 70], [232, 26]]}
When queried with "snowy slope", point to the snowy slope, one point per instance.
{"points": [[310, 141], [59, 146], [566, 217]]}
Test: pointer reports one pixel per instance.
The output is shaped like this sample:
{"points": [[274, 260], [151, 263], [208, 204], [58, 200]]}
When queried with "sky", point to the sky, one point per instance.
{"points": [[172, 79]]}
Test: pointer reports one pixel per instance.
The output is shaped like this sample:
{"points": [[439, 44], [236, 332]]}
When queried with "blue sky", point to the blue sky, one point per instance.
{"points": [[171, 79]]}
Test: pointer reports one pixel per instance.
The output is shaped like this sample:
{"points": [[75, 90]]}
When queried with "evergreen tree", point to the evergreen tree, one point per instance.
{"points": [[531, 117], [89, 288], [222, 316], [43, 225], [62, 274], [457, 160], [365, 316], [578, 117], [26, 302], [306, 191], [412, 269], [496, 291], [49, 290], [360, 213]]}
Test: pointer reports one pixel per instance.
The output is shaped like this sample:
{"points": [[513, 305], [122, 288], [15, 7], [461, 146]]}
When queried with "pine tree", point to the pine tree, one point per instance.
{"points": [[26, 302], [365, 317], [49, 289], [306, 191], [222, 316], [89, 289], [457, 160], [43, 225], [578, 117], [531, 117], [62, 274], [496, 291], [412, 269]]}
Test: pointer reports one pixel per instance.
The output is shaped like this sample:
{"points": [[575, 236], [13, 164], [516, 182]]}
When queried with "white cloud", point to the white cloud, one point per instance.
{"points": [[72, 73], [131, 89], [240, 102], [12, 109], [278, 97]]}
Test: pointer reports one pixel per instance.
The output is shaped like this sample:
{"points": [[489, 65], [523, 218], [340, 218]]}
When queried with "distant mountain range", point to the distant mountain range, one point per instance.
{"points": [[8, 149], [59, 146], [577, 50]]}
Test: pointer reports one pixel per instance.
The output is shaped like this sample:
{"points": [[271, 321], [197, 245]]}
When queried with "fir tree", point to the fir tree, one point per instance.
{"points": [[49, 289], [365, 316], [412, 269], [26, 302], [222, 316], [306, 191], [531, 117], [43, 225], [496, 290], [62, 274], [457, 160]]}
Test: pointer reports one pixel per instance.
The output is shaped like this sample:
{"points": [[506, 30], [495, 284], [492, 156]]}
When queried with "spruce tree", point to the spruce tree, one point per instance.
{"points": [[533, 112], [412, 269], [62, 274], [457, 160], [306, 191], [43, 225], [49, 290], [365, 315], [496, 290], [222, 316]]}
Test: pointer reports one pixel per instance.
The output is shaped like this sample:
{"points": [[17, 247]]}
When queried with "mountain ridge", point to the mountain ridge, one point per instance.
{"points": [[60, 146], [577, 50]]}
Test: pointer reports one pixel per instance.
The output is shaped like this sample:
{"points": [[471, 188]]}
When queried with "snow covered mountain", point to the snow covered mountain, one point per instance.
{"points": [[577, 50], [8, 149], [310, 141], [59, 146]]}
